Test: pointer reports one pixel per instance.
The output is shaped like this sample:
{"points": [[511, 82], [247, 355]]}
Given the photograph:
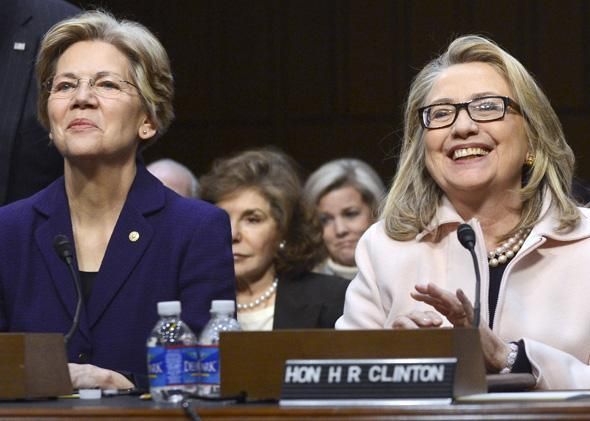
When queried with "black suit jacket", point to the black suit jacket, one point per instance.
{"points": [[28, 162], [308, 301]]}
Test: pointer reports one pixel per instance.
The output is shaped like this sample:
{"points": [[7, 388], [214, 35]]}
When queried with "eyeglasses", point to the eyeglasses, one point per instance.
{"points": [[107, 86], [487, 108]]}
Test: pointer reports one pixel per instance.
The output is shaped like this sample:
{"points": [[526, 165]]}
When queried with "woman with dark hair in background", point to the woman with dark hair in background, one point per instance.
{"points": [[276, 242]]}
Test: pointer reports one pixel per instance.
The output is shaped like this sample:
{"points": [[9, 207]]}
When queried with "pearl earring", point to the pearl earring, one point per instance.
{"points": [[282, 245]]}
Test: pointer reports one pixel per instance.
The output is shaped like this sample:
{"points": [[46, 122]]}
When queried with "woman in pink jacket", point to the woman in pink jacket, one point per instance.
{"points": [[482, 146]]}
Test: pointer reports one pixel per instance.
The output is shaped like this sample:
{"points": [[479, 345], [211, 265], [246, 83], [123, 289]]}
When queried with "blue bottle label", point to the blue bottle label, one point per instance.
{"points": [[172, 365], [209, 362]]}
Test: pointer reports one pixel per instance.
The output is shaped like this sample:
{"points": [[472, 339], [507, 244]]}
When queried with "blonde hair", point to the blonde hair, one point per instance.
{"points": [[149, 65], [345, 172], [414, 195]]}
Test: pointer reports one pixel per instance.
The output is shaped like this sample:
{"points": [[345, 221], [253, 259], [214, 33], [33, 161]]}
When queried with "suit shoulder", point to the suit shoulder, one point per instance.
{"points": [[193, 206], [17, 216], [52, 11], [196, 213], [317, 277], [319, 281], [19, 207]]}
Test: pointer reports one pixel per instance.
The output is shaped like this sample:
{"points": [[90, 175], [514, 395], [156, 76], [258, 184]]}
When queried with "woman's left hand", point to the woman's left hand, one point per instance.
{"points": [[85, 376], [459, 311]]}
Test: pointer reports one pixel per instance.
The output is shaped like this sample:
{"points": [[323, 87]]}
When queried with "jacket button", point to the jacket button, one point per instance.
{"points": [[83, 357]]}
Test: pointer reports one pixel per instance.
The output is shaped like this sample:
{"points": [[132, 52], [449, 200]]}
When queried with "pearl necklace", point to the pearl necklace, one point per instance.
{"points": [[508, 249], [262, 298]]}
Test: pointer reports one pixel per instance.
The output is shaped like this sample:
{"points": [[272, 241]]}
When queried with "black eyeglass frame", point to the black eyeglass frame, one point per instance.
{"points": [[508, 102]]}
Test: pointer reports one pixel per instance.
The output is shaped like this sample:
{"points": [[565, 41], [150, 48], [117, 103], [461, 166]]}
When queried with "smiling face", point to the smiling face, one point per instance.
{"points": [[468, 157], [255, 235], [89, 126], [345, 217]]}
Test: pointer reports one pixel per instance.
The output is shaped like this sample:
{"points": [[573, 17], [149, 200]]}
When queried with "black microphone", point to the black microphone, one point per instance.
{"points": [[65, 251], [466, 237]]}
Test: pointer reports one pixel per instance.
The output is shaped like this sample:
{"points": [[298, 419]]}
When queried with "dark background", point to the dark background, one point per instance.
{"points": [[324, 79]]}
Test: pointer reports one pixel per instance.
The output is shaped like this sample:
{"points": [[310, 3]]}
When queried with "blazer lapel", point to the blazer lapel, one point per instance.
{"points": [[53, 203], [129, 241]]}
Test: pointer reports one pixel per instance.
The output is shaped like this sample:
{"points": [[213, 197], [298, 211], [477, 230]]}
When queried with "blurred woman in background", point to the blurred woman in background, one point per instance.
{"points": [[346, 193], [276, 242]]}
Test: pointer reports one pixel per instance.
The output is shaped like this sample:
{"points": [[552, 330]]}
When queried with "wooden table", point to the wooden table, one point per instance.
{"points": [[127, 407]]}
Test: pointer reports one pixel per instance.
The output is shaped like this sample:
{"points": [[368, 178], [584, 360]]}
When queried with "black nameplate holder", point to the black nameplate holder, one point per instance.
{"points": [[356, 382]]}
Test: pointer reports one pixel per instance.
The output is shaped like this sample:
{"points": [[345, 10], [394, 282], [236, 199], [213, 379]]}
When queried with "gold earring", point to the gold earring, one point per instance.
{"points": [[530, 160]]}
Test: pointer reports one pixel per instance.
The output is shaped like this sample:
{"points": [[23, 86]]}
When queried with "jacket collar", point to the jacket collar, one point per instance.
{"points": [[146, 196], [545, 227], [445, 214], [146, 193]]}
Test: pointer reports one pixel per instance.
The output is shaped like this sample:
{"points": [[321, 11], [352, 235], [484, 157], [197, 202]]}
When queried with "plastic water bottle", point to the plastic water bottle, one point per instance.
{"points": [[172, 356], [222, 320]]}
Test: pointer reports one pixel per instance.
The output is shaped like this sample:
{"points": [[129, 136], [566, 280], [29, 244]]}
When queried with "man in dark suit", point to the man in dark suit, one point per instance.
{"points": [[28, 161]]}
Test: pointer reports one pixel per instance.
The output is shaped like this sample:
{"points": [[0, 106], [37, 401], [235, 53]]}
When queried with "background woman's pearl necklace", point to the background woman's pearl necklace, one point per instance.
{"points": [[262, 298], [508, 249]]}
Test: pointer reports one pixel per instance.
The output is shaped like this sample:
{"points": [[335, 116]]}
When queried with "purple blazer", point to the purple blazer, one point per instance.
{"points": [[183, 253]]}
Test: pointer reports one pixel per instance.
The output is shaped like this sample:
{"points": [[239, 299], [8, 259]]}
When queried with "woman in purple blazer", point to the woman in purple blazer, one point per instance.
{"points": [[107, 93]]}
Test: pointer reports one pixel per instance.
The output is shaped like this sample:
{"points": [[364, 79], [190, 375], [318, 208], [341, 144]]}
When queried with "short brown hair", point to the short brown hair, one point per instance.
{"points": [[149, 63], [274, 174]]}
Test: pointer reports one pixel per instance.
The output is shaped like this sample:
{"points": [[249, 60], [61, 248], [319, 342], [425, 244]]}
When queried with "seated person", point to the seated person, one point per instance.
{"points": [[346, 194], [175, 176], [482, 146], [107, 92], [275, 243]]}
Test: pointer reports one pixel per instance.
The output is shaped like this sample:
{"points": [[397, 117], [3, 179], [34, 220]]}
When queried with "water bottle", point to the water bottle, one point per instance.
{"points": [[222, 320], [172, 356]]}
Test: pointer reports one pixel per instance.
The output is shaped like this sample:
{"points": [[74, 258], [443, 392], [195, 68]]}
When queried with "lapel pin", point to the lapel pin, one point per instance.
{"points": [[19, 46], [133, 236]]}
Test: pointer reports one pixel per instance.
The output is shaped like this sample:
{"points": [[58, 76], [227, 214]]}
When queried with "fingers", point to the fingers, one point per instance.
{"points": [[434, 295], [404, 322], [455, 307], [418, 319], [432, 319], [90, 376], [434, 291], [442, 300], [466, 303]]}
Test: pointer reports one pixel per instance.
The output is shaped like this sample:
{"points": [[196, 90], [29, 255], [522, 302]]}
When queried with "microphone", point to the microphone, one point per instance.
{"points": [[466, 237], [65, 251]]}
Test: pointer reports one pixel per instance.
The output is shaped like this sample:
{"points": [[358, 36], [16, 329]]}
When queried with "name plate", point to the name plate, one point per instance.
{"points": [[352, 382]]}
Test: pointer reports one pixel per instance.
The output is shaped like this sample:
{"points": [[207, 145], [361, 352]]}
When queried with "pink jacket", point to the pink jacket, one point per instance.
{"points": [[544, 296]]}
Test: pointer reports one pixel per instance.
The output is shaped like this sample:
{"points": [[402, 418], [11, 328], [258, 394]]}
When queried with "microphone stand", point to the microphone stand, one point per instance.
{"points": [[466, 237], [63, 248], [477, 303], [76, 320]]}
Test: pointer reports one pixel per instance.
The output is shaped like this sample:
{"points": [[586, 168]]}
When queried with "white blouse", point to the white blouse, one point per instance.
{"points": [[257, 320]]}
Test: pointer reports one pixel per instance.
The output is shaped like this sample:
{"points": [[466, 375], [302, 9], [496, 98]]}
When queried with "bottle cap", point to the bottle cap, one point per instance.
{"points": [[169, 308], [223, 306]]}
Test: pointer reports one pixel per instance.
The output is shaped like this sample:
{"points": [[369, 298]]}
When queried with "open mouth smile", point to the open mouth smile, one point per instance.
{"points": [[468, 153]]}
